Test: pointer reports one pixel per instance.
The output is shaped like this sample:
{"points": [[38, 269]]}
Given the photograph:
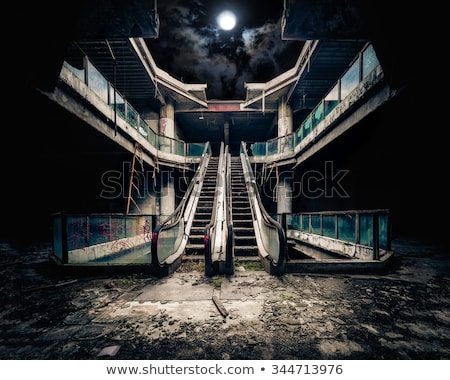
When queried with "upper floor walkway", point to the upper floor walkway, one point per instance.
{"points": [[359, 90]]}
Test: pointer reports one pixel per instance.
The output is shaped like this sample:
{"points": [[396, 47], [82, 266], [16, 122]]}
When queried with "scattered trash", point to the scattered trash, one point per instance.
{"points": [[219, 306], [109, 351]]}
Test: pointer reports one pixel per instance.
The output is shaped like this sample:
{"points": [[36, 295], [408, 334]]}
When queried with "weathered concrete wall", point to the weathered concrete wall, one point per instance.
{"points": [[140, 245], [350, 250]]}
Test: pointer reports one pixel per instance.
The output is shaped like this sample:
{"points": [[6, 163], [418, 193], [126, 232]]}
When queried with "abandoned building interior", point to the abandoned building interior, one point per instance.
{"points": [[317, 168], [329, 142]]}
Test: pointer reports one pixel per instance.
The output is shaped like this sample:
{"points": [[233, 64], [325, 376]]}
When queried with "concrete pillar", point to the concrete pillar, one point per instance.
{"points": [[167, 121], [285, 180], [285, 120], [167, 129], [167, 194], [226, 132], [284, 192]]}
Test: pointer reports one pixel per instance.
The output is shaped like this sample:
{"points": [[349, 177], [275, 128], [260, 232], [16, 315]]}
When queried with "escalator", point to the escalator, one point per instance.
{"points": [[195, 247], [170, 237], [221, 218], [245, 245], [269, 236]]}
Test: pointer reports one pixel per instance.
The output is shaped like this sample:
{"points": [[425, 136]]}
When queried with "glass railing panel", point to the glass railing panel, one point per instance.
{"points": [[97, 82], [195, 149], [346, 227], [132, 227], [329, 226], [178, 147], [305, 223], [383, 226], [132, 116], [119, 102], [272, 147], [58, 249], [99, 230], [143, 127], [121, 110], [80, 73], [366, 229], [164, 144], [118, 227], [298, 136], [258, 149], [331, 100], [293, 222], [152, 137], [369, 61], [350, 79], [270, 240], [77, 232], [317, 115], [169, 240], [315, 225], [306, 126]]}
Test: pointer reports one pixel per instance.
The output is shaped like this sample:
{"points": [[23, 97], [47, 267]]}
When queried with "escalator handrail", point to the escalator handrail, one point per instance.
{"points": [[229, 216], [267, 219], [218, 238], [174, 218]]}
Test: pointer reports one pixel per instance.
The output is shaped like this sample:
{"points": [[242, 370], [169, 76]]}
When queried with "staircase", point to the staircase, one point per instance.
{"points": [[195, 248], [245, 247]]}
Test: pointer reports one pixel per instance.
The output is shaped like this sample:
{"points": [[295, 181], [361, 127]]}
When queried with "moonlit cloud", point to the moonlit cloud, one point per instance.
{"points": [[192, 48]]}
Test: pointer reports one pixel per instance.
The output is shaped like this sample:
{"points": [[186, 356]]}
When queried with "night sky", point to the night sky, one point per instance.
{"points": [[192, 48]]}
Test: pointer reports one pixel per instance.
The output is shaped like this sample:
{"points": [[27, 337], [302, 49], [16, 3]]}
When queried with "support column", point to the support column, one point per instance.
{"points": [[167, 121], [226, 131], [285, 120], [284, 192], [285, 180], [167, 194], [167, 129]]}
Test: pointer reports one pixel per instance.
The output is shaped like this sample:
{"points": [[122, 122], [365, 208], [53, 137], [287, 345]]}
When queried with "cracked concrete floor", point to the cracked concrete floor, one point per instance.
{"points": [[403, 313]]}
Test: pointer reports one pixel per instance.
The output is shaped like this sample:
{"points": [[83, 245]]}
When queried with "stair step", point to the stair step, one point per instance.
{"points": [[195, 248], [200, 223], [242, 209], [242, 216], [196, 240], [239, 199], [204, 203], [204, 210], [243, 223], [243, 231], [244, 240], [197, 230], [202, 216], [248, 250]]}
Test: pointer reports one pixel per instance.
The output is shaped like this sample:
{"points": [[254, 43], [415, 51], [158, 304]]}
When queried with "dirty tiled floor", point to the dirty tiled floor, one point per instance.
{"points": [[403, 313]]}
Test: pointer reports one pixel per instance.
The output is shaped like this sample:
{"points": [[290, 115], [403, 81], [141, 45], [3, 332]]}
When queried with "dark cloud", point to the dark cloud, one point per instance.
{"points": [[193, 49]]}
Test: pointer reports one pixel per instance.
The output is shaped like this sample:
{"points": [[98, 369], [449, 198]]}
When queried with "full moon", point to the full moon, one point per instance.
{"points": [[226, 20]]}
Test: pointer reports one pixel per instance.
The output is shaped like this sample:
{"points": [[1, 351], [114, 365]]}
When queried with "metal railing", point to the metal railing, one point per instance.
{"points": [[106, 92], [102, 238], [270, 236], [370, 228], [229, 260], [216, 231], [365, 64]]}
